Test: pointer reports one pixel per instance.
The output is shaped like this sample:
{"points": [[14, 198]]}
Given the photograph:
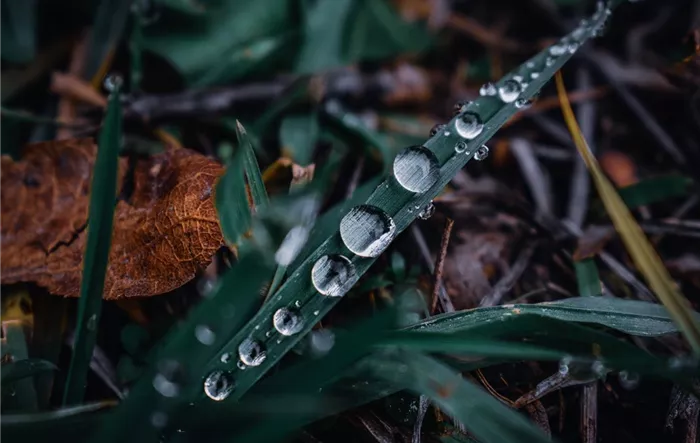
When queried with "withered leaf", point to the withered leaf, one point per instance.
{"points": [[166, 233]]}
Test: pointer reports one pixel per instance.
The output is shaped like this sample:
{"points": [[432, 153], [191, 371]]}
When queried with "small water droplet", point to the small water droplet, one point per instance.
{"points": [[530, 64], [367, 230], [240, 365], [167, 380], [322, 341], [297, 303], [446, 133], [268, 334], [628, 380], [292, 244], [435, 129], [159, 419], [488, 90], [461, 147], [557, 50], [481, 153], [257, 327], [416, 168], [333, 275], [572, 47], [523, 103], [509, 91], [251, 352], [460, 106], [92, 323], [550, 61], [427, 212], [534, 75], [469, 125], [204, 335], [518, 78], [564, 365], [112, 82], [317, 312], [287, 321], [225, 357], [218, 385]]}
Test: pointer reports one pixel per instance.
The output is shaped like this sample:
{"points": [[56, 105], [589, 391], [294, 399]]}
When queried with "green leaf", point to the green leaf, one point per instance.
{"points": [[629, 316], [251, 168], [99, 238], [298, 136], [231, 197], [25, 368], [587, 278], [18, 30], [486, 417], [655, 190]]}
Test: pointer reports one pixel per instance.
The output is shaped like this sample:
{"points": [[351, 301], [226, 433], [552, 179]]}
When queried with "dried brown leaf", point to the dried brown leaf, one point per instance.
{"points": [[161, 238]]}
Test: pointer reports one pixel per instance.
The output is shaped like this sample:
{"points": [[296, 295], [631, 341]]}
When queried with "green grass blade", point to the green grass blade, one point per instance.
{"points": [[587, 278], [298, 136], [486, 417], [231, 197], [629, 316], [25, 368], [99, 238], [396, 202], [251, 168]]}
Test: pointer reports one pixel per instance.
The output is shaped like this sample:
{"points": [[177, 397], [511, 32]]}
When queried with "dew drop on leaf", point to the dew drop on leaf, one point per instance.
{"points": [[251, 352], [461, 147], [509, 91], [481, 153], [469, 125], [218, 385], [367, 230], [333, 275], [112, 82], [427, 211], [225, 357], [287, 321], [204, 335], [523, 103], [416, 168], [488, 90]]}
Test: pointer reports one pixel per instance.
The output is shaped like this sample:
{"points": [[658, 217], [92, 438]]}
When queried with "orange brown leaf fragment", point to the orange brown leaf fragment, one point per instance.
{"points": [[164, 235]]}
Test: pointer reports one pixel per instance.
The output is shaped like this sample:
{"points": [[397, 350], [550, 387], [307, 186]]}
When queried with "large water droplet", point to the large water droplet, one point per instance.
{"points": [[292, 244], [333, 275], [287, 321], [628, 380], [218, 385], [251, 352], [488, 90], [469, 125], [509, 91], [204, 335], [416, 168], [367, 230]]}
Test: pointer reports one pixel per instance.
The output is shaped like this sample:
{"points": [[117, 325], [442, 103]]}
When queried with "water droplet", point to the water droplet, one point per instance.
{"points": [[628, 380], [460, 106], [297, 303], [416, 168], [322, 341], [427, 212], [169, 378], [550, 61], [240, 365], [461, 147], [287, 322], [469, 125], [92, 322], [534, 75], [481, 153], [572, 47], [488, 90], [523, 103], [112, 82], [292, 244], [446, 133], [530, 64], [557, 50], [268, 334], [251, 352], [578, 33], [225, 357], [218, 385], [159, 419], [435, 129], [367, 230], [564, 365], [204, 335], [509, 91], [316, 312], [333, 275]]}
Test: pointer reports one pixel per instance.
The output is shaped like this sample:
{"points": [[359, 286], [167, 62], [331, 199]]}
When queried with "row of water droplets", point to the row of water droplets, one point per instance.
{"points": [[367, 230]]}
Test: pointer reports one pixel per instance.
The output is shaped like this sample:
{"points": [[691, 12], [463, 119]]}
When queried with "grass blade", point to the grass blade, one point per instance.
{"points": [[231, 198], [587, 278], [25, 368], [640, 249], [251, 168], [486, 417], [99, 238], [629, 316]]}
